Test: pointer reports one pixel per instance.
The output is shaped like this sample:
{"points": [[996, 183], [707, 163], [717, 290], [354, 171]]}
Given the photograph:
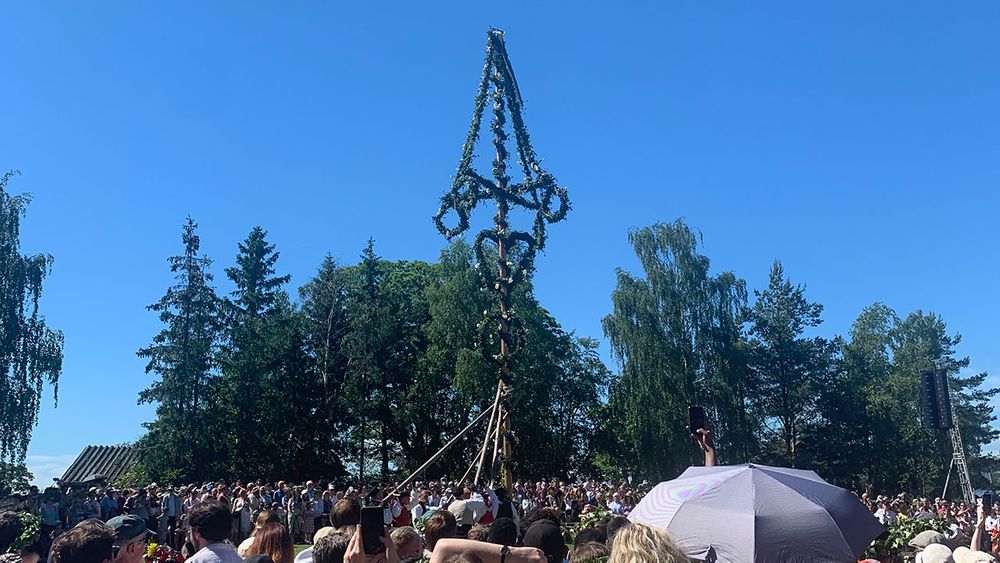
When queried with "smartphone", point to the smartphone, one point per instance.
{"points": [[696, 418], [988, 502], [372, 529]]}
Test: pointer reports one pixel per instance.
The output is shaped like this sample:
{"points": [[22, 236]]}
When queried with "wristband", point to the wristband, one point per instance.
{"points": [[503, 553]]}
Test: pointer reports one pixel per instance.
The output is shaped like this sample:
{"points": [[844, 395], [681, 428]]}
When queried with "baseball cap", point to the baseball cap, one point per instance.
{"points": [[965, 555], [935, 553], [926, 538], [128, 526]]}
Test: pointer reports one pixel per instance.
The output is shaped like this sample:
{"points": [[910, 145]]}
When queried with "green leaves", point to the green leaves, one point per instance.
{"points": [[30, 352], [676, 332]]}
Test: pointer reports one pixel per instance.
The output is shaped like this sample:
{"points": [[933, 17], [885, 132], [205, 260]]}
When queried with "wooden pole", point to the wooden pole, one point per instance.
{"points": [[496, 446], [489, 431], [440, 452]]}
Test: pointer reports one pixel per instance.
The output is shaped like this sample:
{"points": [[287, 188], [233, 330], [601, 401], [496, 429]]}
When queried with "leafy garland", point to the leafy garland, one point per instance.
{"points": [[537, 192], [899, 534], [30, 532]]}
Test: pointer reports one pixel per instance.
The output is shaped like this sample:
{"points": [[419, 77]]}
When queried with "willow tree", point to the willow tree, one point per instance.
{"points": [[676, 331], [30, 352]]}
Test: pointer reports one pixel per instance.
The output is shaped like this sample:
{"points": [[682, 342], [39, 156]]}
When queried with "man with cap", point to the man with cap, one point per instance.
{"points": [[926, 538], [963, 554], [131, 538]]}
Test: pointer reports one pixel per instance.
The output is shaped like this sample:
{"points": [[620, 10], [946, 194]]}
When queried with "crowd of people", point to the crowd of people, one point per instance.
{"points": [[281, 514], [438, 521]]}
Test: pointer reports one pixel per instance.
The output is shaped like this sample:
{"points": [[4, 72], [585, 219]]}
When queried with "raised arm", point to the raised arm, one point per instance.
{"points": [[704, 439], [487, 552]]}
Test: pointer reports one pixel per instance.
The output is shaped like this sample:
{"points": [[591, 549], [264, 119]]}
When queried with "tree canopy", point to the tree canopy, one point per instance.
{"points": [[376, 364], [30, 351]]}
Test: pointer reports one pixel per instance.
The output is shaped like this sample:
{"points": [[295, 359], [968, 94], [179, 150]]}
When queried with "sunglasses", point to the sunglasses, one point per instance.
{"points": [[116, 549]]}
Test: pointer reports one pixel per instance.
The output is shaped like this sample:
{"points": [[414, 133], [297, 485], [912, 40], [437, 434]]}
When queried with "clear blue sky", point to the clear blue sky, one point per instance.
{"points": [[855, 141]]}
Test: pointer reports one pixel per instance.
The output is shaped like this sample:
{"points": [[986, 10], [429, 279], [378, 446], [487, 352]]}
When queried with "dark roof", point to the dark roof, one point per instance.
{"points": [[95, 463]]}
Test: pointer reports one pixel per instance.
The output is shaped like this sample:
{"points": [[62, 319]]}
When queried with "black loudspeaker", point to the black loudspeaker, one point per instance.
{"points": [[937, 401]]}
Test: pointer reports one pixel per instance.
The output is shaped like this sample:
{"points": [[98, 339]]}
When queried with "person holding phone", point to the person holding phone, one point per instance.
{"points": [[358, 552], [701, 433]]}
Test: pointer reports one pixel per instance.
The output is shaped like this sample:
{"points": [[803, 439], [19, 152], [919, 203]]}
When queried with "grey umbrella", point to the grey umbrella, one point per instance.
{"points": [[760, 514]]}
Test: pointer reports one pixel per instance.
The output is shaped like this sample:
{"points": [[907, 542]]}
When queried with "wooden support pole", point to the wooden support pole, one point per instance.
{"points": [[496, 445], [489, 431], [440, 452]]}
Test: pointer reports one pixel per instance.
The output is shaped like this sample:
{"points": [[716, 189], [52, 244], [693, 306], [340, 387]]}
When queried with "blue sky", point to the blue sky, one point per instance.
{"points": [[855, 141]]}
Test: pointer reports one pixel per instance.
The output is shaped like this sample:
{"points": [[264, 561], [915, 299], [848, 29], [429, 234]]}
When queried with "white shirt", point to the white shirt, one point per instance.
{"points": [[215, 553], [416, 512], [885, 516]]}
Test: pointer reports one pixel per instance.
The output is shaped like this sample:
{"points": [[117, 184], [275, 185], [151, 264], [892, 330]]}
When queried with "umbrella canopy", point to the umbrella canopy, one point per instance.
{"points": [[755, 513]]}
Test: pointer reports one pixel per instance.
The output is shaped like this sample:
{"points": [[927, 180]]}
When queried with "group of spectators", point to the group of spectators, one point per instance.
{"points": [[962, 521], [436, 521], [269, 518]]}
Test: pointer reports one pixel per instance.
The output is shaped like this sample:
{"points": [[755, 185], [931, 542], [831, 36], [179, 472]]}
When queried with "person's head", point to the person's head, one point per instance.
{"points": [[542, 513], [408, 544], [463, 557], [501, 493], [589, 552], [926, 538], [615, 524], [935, 553], [273, 539], [503, 531], [345, 514], [131, 538], [331, 548], [210, 523], [90, 543], [596, 534], [547, 537], [12, 526], [440, 525], [266, 517], [479, 532], [639, 543]]}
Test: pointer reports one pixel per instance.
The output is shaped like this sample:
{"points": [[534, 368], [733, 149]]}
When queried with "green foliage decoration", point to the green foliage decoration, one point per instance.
{"points": [[900, 532], [30, 532], [538, 192]]}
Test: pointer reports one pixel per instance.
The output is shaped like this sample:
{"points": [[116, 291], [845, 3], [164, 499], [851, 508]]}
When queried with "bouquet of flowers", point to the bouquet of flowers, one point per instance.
{"points": [[158, 553]]}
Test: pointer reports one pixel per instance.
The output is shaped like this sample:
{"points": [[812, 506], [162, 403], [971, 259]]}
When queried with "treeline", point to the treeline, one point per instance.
{"points": [[849, 408], [256, 384], [377, 364]]}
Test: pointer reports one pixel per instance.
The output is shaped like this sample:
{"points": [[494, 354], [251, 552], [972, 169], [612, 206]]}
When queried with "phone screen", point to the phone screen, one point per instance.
{"points": [[696, 417], [372, 529]]}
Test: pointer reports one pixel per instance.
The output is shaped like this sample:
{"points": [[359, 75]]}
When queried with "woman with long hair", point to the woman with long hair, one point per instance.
{"points": [[273, 540], [265, 517], [639, 543]]}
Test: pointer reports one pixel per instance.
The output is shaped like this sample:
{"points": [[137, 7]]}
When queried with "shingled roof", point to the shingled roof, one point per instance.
{"points": [[108, 463]]}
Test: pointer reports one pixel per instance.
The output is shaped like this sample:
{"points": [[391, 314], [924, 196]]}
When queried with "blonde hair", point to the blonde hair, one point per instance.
{"points": [[639, 543]]}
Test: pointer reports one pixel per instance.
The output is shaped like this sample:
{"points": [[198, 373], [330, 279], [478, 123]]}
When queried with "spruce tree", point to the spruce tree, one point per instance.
{"points": [[250, 358], [182, 357]]}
